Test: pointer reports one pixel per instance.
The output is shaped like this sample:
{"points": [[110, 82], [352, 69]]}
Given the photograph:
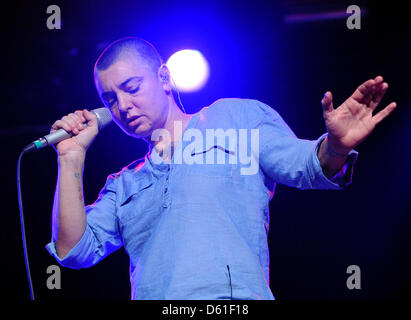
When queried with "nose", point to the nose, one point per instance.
{"points": [[124, 104]]}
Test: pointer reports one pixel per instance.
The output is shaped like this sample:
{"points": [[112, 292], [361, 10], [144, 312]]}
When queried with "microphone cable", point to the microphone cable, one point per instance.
{"points": [[23, 231]]}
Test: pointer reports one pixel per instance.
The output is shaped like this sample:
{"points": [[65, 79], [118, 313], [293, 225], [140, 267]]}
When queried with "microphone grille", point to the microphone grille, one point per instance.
{"points": [[103, 117]]}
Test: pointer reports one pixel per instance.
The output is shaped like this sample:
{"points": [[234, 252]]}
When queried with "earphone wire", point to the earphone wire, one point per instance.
{"points": [[178, 94]]}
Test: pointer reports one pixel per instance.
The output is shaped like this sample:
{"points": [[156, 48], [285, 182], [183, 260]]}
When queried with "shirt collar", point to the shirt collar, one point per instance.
{"points": [[155, 162]]}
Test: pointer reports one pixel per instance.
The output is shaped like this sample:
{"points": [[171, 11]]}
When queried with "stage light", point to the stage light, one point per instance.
{"points": [[189, 70]]}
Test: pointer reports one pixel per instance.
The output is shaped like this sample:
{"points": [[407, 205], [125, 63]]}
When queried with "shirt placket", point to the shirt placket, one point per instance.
{"points": [[166, 191]]}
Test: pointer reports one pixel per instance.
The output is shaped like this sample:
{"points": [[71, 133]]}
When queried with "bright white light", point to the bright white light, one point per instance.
{"points": [[189, 70]]}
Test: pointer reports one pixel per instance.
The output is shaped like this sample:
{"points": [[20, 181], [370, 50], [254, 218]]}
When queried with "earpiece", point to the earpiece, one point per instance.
{"points": [[165, 77]]}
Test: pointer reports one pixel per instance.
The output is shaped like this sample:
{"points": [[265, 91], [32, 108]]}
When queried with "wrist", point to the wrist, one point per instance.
{"points": [[335, 152], [72, 159]]}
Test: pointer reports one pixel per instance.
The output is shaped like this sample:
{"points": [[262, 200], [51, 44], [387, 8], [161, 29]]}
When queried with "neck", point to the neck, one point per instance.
{"points": [[174, 127]]}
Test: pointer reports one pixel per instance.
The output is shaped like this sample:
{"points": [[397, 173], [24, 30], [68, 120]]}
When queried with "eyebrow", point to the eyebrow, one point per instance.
{"points": [[106, 94], [124, 83]]}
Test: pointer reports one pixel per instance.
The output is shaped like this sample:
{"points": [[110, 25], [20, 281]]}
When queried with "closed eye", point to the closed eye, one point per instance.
{"points": [[108, 98], [134, 90]]}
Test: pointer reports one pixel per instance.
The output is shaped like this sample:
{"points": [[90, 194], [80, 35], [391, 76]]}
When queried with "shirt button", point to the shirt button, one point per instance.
{"points": [[165, 190]]}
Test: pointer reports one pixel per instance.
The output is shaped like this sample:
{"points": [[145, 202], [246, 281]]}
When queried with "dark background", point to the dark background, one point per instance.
{"points": [[253, 53]]}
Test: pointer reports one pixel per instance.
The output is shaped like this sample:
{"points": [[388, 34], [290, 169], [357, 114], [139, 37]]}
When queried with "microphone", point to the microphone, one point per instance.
{"points": [[103, 119]]}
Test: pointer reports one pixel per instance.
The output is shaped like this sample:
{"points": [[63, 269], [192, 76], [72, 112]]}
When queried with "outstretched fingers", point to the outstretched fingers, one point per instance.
{"points": [[384, 112], [378, 95], [366, 91], [327, 102]]}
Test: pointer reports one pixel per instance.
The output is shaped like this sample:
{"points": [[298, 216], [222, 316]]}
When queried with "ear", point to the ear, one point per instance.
{"points": [[164, 77]]}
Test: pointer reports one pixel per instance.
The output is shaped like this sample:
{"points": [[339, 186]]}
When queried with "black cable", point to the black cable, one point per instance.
{"points": [[231, 287], [23, 232]]}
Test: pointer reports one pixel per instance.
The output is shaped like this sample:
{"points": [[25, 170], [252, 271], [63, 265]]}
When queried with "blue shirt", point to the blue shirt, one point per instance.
{"points": [[199, 231]]}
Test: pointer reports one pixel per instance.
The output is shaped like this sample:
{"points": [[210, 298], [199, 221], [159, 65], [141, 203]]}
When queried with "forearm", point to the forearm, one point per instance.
{"points": [[331, 161], [69, 217]]}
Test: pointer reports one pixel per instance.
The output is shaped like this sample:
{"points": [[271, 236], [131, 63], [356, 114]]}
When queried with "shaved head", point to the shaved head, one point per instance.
{"points": [[129, 47], [134, 84]]}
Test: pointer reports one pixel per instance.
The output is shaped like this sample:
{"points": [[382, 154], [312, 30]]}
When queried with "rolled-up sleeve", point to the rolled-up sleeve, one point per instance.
{"points": [[101, 236], [289, 160], [341, 179]]}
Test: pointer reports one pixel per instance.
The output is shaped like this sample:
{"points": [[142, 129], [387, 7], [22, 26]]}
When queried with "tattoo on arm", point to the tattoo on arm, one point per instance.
{"points": [[80, 193], [77, 175]]}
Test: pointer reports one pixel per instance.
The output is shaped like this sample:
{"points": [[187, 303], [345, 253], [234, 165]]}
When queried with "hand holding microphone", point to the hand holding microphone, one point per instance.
{"points": [[82, 127], [75, 132]]}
